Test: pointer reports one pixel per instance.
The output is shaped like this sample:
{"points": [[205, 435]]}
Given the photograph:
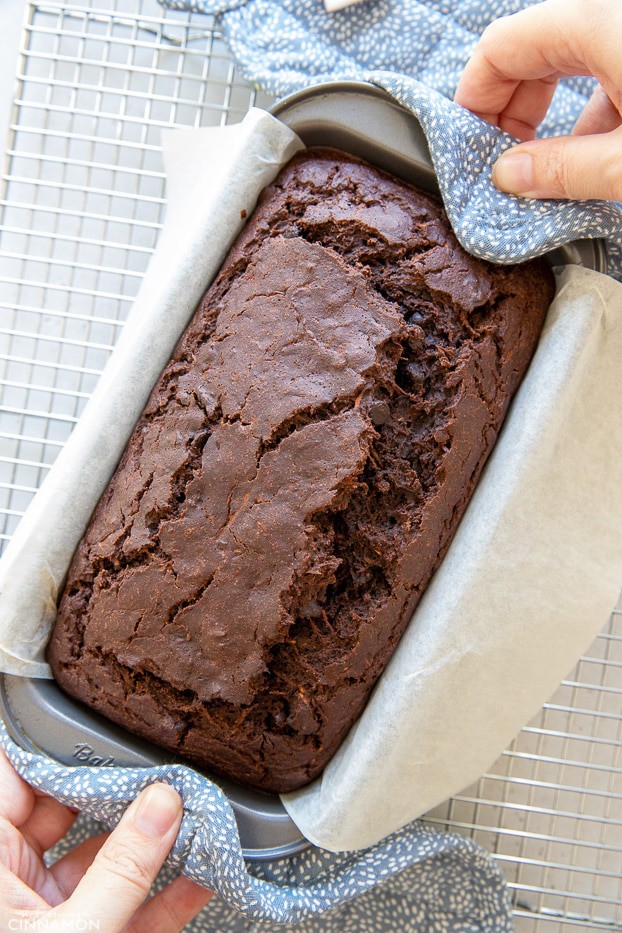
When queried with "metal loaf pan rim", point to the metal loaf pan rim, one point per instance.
{"points": [[366, 121]]}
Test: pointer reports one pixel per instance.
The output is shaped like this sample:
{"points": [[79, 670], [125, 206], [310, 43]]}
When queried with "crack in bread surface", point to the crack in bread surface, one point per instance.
{"points": [[297, 475]]}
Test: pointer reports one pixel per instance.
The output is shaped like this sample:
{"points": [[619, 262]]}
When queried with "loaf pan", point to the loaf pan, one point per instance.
{"points": [[364, 121]]}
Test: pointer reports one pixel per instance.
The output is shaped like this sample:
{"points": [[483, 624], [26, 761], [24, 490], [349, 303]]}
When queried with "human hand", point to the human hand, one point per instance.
{"points": [[102, 883], [511, 78]]}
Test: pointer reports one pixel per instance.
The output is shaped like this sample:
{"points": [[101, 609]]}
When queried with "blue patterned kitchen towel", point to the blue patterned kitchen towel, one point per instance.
{"points": [[454, 887], [416, 50]]}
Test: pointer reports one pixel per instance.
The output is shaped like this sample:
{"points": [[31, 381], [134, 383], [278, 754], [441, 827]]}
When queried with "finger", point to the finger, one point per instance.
{"points": [[527, 108], [15, 895], [171, 909], [69, 870], [48, 822], [17, 799], [575, 167], [599, 115], [42, 819], [544, 42], [125, 867], [19, 858]]}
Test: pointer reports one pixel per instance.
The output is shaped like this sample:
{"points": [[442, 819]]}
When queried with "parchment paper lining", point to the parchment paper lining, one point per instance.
{"points": [[530, 577]]}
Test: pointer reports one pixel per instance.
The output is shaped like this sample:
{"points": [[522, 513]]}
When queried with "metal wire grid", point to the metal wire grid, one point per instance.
{"points": [[551, 807], [83, 202], [81, 210]]}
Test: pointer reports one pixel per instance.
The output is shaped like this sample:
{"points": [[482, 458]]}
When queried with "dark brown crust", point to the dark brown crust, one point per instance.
{"points": [[297, 475]]}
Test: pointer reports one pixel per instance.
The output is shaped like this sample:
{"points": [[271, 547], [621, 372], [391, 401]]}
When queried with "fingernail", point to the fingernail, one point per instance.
{"points": [[513, 172], [158, 807]]}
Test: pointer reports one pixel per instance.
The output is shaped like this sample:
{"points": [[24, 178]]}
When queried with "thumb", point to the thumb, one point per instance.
{"points": [[563, 167], [121, 875]]}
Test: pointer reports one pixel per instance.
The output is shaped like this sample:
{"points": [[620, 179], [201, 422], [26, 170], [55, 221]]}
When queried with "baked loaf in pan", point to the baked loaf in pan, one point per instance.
{"points": [[296, 476]]}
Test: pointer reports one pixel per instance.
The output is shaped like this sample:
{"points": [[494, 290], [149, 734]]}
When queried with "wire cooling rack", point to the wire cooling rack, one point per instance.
{"points": [[82, 204]]}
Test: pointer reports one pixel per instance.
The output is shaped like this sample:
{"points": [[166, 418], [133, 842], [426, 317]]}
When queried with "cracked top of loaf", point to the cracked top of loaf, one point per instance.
{"points": [[296, 476]]}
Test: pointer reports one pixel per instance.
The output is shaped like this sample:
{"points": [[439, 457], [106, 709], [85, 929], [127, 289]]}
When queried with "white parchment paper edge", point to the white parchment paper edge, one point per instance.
{"points": [[214, 175], [528, 582]]}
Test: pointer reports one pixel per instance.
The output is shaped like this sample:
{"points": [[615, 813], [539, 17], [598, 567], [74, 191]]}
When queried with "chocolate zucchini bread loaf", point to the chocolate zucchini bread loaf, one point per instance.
{"points": [[296, 476]]}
